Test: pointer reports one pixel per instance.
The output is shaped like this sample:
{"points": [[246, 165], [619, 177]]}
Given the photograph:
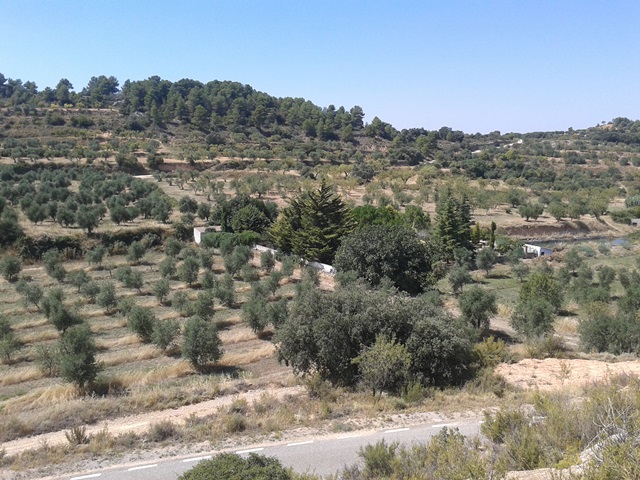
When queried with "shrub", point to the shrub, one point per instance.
{"points": [[77, 436], [167, 267], [225, 292], [267, 261], [78, 357], [533, 318], [47, 359], [161, 290], [478, 306], [107, 298], [550, 346], [230, 466], [162, 430], [10, 267], [9, 344], [490, 352], [378, 459], [235, 423], [31, 292], [165, 333], [141, 321], [604, 332], [188, 270], [287, 267], [136, 252], [201, 343], [384, 366], [502, 424]]}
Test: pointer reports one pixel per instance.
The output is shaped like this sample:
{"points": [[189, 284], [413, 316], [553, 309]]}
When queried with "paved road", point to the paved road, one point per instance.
{"points": [[323, 455]]}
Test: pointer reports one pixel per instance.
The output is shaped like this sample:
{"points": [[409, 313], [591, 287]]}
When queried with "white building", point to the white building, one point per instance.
{"points": [[535, 251], [197, 234]]}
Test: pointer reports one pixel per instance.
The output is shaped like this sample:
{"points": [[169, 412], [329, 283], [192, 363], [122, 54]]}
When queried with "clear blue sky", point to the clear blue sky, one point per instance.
{"points": [[473, 65]]}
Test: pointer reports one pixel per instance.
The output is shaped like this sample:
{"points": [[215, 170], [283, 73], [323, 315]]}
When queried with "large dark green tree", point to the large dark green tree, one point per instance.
{"points": [[326, 331], [453, 222], [387, 251], [313, 225]]}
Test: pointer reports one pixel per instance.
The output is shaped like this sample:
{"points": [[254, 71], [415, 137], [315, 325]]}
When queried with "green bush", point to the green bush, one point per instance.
{"points": [[378, 459], [502, 424], [165, 333], [215, 239], [230, 466], [201, 343], [141, 321], [490, 352]]}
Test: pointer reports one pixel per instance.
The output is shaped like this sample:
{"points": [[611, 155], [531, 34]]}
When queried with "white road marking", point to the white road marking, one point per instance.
{"points": [[442, 425], [133, 469], [197, 459], [251, 450], [93, 475], [295, 444], [344, 437], [394, 430]]}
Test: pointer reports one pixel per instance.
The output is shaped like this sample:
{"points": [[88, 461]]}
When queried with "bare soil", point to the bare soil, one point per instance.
{"points": [[553, 373]]}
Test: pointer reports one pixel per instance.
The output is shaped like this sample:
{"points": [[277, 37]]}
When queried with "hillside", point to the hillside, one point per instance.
{"points": [[109, 307]]}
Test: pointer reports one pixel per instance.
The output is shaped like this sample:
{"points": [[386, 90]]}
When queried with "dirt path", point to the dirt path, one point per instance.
{"points": [[140, 423]]}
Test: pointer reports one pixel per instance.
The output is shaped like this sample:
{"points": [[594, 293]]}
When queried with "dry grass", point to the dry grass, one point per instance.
{"points": [[30, 324], [117, 342], [245, 358], [227, 322], [566, 326], [40, 336], [40, 397], [170, 372], [505, 311], [17, 376], [107, 325], [237, 335], [146, 352]]}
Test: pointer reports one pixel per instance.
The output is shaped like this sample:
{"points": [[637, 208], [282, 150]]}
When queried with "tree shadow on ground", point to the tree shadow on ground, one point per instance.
{"points": [[501, 335], [230, 371]]}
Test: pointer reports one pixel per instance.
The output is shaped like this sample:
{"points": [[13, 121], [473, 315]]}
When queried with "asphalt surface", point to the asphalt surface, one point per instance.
{"points": [[323, 455]]}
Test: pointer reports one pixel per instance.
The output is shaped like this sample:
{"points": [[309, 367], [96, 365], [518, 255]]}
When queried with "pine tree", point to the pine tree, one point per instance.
{"points": [[313, 225], [453, 223]]}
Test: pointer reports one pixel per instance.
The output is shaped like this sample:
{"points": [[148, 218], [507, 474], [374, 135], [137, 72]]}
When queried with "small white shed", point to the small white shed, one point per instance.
{"points": [[535, 251], [197, 234]]}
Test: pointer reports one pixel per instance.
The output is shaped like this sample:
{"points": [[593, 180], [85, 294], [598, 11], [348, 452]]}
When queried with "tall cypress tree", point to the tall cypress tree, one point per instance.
{"points": [[453, 222]]}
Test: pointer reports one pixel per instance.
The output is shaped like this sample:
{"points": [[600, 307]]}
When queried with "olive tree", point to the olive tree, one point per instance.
{"points": [[78, 363], [201, 343], [10, 267]]}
